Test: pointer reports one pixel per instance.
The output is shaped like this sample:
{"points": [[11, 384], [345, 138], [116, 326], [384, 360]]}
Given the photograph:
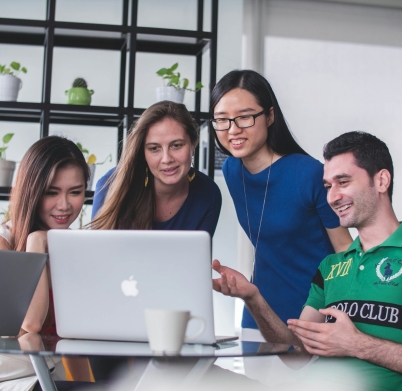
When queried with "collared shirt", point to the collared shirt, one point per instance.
{"points": [[368, 287]]}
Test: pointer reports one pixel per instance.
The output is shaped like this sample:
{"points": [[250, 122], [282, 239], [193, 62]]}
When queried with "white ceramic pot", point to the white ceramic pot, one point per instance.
{"points": [[7, 168], [169, 93], [9, 87], [91, 178]]}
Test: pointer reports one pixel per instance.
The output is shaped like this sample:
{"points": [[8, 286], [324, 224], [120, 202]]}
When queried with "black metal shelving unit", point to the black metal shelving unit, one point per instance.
{"points": [[129, 39]]}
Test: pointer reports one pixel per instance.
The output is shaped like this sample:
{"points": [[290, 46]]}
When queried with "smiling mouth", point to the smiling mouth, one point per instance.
{"points": [[169, 170], [343, 208], [61, 218], [237, 141]]}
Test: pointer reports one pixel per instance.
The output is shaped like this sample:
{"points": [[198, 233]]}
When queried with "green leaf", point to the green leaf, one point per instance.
{"points": [[174, 66], [6, 71], [198, 86], [79, 145], [7, 137], [15, 65], [162, 72], [84, 151], [174, 80], [23, 69], [2, 67], [3, 149], [185, 83]]}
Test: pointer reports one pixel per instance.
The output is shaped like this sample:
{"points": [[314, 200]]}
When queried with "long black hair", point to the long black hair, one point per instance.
{"points": [[280, 139]]}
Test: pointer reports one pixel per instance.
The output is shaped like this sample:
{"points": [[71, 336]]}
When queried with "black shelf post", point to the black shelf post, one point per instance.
{"points": [[47, 67]]}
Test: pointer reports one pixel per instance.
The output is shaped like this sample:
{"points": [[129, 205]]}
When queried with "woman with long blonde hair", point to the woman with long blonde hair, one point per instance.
{"points": [[154, 185]]}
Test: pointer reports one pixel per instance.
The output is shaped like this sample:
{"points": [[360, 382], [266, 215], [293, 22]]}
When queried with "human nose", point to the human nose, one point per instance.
{"points": [[63, 202], [167, 156], [333, 196]]}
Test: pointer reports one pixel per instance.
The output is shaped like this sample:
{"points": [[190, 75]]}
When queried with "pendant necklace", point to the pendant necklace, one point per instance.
{"points": [[262, 214]]}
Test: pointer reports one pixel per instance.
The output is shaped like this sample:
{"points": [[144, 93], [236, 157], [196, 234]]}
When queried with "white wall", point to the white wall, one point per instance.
{"points": [[337, 68]]}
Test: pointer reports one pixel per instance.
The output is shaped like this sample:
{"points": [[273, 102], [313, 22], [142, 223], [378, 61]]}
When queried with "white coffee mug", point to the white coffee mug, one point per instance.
{"points": [[167, 328]]}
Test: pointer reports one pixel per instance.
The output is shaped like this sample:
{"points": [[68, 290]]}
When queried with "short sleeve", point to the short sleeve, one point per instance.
{"points": [[316, 297], [312, 191]]}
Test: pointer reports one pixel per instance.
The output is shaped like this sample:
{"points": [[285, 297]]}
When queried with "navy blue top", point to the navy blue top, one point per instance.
{"points": [[293, 240], [200, 211]]}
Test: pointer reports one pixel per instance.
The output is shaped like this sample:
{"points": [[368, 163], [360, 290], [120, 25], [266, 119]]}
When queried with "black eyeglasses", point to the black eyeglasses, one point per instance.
{"points": [[241, 121]]}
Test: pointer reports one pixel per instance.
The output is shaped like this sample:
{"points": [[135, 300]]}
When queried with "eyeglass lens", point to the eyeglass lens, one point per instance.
{"points": [[245, 121]]}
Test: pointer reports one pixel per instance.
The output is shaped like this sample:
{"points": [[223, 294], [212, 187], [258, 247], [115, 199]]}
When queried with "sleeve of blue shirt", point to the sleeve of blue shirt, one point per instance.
{"points": [[312, 191], [100, 192], [210, 219]]}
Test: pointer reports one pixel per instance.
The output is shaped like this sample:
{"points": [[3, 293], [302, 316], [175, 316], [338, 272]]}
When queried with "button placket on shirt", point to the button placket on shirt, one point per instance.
{"points": [[360, 271]]}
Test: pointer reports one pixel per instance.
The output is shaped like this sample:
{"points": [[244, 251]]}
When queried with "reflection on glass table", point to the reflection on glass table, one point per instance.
{"points": [[184, 369]]}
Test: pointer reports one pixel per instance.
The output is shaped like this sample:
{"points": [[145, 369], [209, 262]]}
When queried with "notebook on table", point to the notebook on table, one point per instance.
{"points": [[104, 280], [20, 273]]}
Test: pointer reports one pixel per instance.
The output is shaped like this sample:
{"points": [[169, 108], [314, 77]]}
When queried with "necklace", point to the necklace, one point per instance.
{"points": [[262, 214]]}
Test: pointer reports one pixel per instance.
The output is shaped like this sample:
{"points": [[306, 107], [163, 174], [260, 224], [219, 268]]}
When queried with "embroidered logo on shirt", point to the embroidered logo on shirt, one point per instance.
{"points": [[387, 270], [340, 269]]}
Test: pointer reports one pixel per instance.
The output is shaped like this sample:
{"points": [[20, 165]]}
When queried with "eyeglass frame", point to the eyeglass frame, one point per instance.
{"points": [[234, 120]]}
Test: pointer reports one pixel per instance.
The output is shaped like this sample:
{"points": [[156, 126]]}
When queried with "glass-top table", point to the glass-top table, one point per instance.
{"points": [[39, 346]]}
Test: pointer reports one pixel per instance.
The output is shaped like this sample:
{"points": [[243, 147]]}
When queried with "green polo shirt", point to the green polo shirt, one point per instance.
{"points": [[368, 287]]}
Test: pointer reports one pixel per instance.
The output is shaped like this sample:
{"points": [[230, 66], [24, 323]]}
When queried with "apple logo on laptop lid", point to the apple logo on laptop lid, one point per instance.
{"points": [[129, 287]]}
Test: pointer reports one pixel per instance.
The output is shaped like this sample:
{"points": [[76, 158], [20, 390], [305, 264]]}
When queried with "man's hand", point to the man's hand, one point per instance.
{"points": [[232, 283], [328, 339]]}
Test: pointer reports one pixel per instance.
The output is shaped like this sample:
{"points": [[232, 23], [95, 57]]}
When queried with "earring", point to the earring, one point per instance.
{"points": [[191, 174], [146, 176]]}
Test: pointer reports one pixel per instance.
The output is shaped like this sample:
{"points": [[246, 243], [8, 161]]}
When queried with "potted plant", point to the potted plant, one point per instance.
{"points": [[7, 167], [79, 93], [10, 83], [91, 161], [175, 85]]}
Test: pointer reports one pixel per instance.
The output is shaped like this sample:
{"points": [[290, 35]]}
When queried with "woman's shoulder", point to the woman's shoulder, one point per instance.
{"points": [[204, 181], [304, 165], [103, 180], [304, 159], [5, 234], [204, 186], [231, 165]]}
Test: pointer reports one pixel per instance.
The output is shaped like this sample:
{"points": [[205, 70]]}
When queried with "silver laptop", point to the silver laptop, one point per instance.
{"points": [[20, 273], [104, 280]]}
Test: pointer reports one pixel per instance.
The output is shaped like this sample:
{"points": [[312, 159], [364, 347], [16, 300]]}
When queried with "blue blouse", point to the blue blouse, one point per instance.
{"points": [[200, 211]]}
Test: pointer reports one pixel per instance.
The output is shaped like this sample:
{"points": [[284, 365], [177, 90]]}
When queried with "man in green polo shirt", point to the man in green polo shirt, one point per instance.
{"points": [[354, 308]]}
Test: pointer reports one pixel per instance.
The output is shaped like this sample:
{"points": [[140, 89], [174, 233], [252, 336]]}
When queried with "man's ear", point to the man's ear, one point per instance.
{"points": [[270, 117], [382, 180]]}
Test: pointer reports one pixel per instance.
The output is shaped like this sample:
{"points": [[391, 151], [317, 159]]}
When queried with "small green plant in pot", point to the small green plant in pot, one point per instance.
{"points": [[175, 85], [7, 167], [79, 93], [10, 83]]}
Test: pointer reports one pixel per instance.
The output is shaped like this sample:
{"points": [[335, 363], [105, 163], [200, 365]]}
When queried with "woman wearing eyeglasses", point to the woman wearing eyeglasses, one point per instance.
{"points": [[277, 191]]}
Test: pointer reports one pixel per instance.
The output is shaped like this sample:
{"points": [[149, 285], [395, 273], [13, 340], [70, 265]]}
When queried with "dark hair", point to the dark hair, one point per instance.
{"points": [[129, 204], [370, 153], [34, 176], [280, 139]]}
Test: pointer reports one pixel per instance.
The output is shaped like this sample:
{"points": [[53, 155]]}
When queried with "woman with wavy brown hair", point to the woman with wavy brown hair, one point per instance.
{"points": [[154, 185]]}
